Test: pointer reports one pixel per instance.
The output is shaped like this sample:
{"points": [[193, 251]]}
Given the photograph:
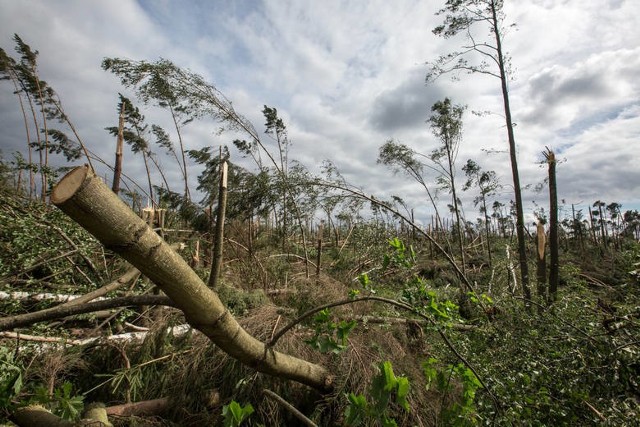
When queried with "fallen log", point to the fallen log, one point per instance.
{"points": [[86, 199], [60, 311]]}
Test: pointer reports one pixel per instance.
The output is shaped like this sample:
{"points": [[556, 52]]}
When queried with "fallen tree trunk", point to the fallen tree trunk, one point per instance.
{"points": [[128, 337], [44, 296], [140, 409], [60, 311], [87, 200], [94, 415]]}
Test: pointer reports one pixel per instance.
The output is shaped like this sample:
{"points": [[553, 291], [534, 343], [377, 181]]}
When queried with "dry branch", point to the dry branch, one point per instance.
{"points": [[299, 415], [131, 275]]}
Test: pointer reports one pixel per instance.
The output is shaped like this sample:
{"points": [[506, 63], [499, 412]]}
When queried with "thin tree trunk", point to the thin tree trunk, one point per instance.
{"points": [[187, 195], [38, 139], [87, 200], [26, 129], [319, 249], [487, 229], [162, 175], [146, 167], [542, 266], [593, 228], [553, 228], [117, 169], [216, 261], [450, 160], [46, 133], [522, 250], [603, 228]]}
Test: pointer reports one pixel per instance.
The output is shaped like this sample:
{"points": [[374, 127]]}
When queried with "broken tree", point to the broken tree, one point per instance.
{"points": [[87, 200]]}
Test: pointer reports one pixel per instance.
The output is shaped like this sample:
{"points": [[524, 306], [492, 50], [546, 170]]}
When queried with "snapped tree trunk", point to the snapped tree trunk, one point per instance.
{"points": [[87, 200], [117, 170], [542, 265], [216, 262], [553, 227]]}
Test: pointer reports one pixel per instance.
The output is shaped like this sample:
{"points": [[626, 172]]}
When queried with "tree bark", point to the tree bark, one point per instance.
{"points": [[117, 169], [553, 228], [216, 262], [63, 310], [87, 200], [542, 266], [522, 249], [38, 416]]}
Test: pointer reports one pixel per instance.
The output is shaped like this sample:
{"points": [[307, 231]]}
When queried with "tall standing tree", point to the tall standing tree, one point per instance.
{"points": [[8, 72], [32, 85], [39, 96], [600, 213], [487, 183], [446, 125], [275, 128], [463, 17]]}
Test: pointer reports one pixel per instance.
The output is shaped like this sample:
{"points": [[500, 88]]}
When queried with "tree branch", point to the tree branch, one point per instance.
{"points": [[60, 311]]}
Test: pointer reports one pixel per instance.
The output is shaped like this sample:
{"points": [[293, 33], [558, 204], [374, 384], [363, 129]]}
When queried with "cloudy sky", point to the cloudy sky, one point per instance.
{"points": [[348, 75]]}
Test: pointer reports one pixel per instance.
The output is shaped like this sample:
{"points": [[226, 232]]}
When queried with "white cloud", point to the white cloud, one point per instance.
{"points": [[348, 75]]}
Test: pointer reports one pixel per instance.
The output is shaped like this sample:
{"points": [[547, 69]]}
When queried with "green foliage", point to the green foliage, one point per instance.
{"points": [[401, 256], [234, 414], [32, 238], [385, 386], [239, 301], [463, 411], [416, 291], [330, 336], [11, 380], [63, 403]]}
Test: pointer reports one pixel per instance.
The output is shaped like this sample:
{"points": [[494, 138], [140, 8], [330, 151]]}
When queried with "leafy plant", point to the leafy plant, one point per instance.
{"points": [[62, 403], [384, 387], [462, 412], [330, 336], [400, 256], [10, 377], [234, 414]]}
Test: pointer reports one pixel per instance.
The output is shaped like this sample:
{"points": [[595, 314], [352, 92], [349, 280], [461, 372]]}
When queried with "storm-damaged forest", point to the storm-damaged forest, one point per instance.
{"points": [[269, 294]]}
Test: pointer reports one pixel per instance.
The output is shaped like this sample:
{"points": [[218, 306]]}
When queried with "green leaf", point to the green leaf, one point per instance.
{"points": [[388, 422], [343, 330], [357, 409], [402, 392], [430, 372], [386, 260], [388, 375], [364, 280], [234, 414]]}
